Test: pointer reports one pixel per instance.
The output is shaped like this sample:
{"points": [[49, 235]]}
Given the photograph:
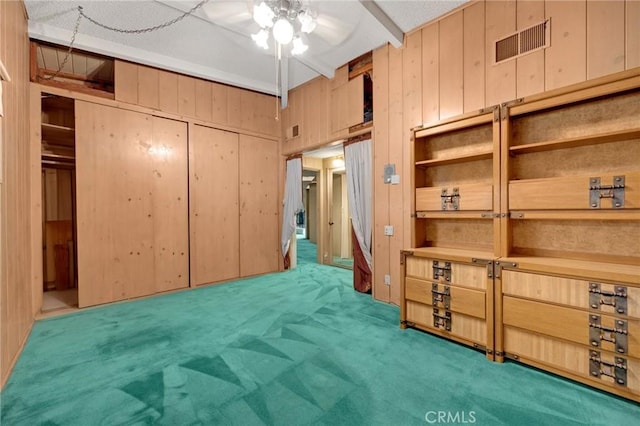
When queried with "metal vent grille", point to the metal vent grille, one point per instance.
{"points": [[524, 41], [533, 38], [507, 48]]}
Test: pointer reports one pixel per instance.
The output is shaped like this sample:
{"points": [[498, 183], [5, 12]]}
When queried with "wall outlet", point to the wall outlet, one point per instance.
{"points": [[387, 279], [388, 230]]}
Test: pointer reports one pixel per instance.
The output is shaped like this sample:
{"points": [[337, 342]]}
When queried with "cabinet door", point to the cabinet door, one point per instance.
{"points": [[259, 238], [130, 186], [347, 104], [213, 191]]}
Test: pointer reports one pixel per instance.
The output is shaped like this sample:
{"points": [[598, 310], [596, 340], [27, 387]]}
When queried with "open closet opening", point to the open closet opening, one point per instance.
{"points": [[60, 289]]}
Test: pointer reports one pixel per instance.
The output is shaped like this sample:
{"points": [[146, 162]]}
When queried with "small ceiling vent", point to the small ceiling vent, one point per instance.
{"points": [[522, 42]]}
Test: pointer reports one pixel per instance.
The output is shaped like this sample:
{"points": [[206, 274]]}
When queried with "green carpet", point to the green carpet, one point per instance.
{"points": [[299, 347], [306, 251]]}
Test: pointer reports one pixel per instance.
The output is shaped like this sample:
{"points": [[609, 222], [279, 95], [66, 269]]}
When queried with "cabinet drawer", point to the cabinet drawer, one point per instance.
{"points": [[618, 299], [572, 192], [614, 334], [456, 299], [446, 272], [461, 326], [572, 358], [478, 196]]}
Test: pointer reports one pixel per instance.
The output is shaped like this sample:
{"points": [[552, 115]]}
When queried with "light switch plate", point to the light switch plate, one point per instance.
{"points": [[388, 230]]}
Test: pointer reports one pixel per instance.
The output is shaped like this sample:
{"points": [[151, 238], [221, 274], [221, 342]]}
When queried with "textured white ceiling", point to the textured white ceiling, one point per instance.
{"points": [[215, 42]]}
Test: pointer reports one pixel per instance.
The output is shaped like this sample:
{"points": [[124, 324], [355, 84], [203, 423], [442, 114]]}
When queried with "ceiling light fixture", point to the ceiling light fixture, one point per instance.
{"points": [[287, 20]]}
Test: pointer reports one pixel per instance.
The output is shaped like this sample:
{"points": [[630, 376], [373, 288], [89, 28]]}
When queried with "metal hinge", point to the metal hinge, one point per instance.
{"points": [[617, 298], [489, 264], [442, 320], [450, 201], [617, 335], [617, 370], [597, 191], [440, 296], [442, 271]]}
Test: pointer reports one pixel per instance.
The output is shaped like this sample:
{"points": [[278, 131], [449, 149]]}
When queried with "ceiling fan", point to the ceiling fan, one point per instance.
{"points": [[286, 29]]}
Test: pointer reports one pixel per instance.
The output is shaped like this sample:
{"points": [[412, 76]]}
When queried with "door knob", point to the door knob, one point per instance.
{"points": [[330, 222]]}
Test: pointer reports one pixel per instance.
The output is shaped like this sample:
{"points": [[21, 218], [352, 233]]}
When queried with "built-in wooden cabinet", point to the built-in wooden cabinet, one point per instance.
{"points": [[447, 278], [449, 292], [544, 194], [569, 275]]}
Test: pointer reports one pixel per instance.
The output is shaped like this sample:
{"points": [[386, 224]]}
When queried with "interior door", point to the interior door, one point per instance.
{"points": [[340, 246]]}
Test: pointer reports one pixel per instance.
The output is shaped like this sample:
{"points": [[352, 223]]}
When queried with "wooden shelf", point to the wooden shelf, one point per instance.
{"points": [[476, 156], [576, 142], [454, 215], [460, 255], [599, 214], [58, 157], [572, 267], [60, 134], [455, 124]]}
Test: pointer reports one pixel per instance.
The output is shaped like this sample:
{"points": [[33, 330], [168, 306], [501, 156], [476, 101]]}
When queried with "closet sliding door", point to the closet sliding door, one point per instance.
{"points": [[214, 210], [132, 208], [259, 223]]}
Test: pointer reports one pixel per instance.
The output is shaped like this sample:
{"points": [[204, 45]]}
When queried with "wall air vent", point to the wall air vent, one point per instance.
{"points": [[523, 42]]}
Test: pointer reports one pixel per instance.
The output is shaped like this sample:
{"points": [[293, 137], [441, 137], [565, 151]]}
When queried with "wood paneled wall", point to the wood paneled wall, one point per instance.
{"points": [[446, 68], [15, 203], [215, 103]]}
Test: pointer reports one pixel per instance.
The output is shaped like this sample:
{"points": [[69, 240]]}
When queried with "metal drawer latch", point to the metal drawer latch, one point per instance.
{"points": [[450, 201], [617, 370], [597, 191], [441, 296], [617, 335], [442, 270], [617, 298], [443, 321]]}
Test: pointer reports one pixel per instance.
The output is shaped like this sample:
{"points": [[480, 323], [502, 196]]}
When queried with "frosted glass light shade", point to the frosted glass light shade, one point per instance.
{"points": [[261, 38], [299, 46], [283, 31], [263, 15]]}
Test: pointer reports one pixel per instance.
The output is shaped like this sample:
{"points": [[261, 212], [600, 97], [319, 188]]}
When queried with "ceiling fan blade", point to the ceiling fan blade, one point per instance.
{"points": [[334, 30], [224, 12]]}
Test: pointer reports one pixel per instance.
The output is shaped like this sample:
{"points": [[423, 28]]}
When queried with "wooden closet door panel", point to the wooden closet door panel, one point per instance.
{"points": [[259, 236], [214, 215], [114, 205], [170, 204]]}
